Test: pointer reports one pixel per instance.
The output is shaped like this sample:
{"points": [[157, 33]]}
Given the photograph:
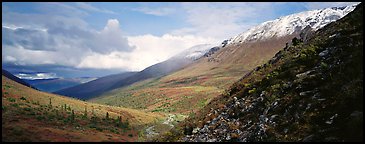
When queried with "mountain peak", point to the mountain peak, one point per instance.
{"points": [[195, 52], [290, 24]]}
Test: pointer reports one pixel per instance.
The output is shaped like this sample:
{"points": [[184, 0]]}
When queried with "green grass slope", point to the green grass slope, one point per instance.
{"points": [[191, 88], [31, 115]]}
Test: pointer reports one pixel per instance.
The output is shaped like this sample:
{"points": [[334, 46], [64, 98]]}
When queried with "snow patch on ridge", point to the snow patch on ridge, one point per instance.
{"points": [[290, 24]]}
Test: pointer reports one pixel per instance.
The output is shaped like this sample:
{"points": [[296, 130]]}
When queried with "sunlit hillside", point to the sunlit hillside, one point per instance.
{"points": [[31, 115]]}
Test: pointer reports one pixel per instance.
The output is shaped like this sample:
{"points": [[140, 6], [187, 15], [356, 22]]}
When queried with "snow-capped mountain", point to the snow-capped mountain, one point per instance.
{"points": [[290, 24], [194, 52], [283, 26]]}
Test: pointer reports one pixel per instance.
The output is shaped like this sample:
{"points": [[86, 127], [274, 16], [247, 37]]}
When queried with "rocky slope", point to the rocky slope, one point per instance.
{"points": [[309, 91]]}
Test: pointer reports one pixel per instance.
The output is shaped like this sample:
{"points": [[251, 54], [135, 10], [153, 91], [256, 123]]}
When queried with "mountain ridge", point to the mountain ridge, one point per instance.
{"points": [[16, 79], [302, 94], [187, 90], [157, 70], [290, 24]]}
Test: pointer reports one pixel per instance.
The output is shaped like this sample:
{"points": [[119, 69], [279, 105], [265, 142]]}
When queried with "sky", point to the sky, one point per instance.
{"points": [[126, 36]]}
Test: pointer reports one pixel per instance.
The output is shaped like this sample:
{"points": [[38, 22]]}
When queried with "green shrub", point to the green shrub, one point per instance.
{"points": [[66, 120], [92, 125], [23, 98], [31, 113], [27, 109], [72, 115], [272, 74], [65, 107], [302, 57], [125, 125], [107, 116], [99, 129], [50, 102], [324, 65], [15, 105], [51, 117], [275, 87], [247, 85], [40, 117], [17, 131], [296, 41], [252, 91], [114, 131], [85, 113], [156, 110], [271, 98], [11, 99], [226, 92], [130, 135]]}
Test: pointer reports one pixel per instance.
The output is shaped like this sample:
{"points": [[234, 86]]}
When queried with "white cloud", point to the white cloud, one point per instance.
{"points": [[108, 48], [64, 39], [320, 5], [59, 37], [61, 46], [160, 11], [34, 76], [106, 61], [26, 56], [9, 59], [61, 9], [12, 27], [89, 7], [49, 19], [152, 49], [218, 20], [56, 38], [110, 39], [149, 50], [223, 20]]}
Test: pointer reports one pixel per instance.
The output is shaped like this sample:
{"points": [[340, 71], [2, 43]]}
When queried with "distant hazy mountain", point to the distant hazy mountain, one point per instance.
{"points": [[55, 84], [95, 87], [107, 83], [16, 79]]}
